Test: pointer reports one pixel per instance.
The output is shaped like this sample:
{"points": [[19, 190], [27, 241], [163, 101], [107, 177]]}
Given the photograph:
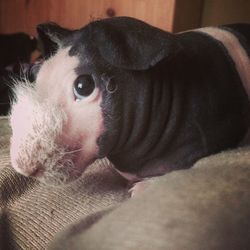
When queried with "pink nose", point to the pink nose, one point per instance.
{"points": [[23, 167], [36, 171]]}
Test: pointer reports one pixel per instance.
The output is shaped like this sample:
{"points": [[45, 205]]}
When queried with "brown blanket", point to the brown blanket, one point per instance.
{"points": [[205, 207]]}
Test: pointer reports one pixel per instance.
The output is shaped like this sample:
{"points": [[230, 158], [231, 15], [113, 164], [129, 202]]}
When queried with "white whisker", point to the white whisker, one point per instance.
{"points": [[73, 151]]}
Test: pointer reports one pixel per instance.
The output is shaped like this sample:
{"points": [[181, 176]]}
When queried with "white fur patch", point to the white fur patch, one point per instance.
{"points": [[34, 144], [53, 136], [235, 50]]}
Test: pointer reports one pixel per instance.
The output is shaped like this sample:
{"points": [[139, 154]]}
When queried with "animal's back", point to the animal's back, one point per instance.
{"points": [[242, 30]]}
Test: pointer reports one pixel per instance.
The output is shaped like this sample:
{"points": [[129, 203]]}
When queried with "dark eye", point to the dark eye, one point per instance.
{"points": [[84, 85]]}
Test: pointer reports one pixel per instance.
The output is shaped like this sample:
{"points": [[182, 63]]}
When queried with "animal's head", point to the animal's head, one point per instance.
{"points": [[75, 110]]}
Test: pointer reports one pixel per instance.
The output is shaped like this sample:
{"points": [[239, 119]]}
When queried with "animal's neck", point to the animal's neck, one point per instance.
{"points": [[148, 124]]}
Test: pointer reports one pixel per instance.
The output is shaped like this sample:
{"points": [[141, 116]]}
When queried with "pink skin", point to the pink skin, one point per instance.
{"points": [[239, 57], [54, 136], [85, 121], [236, 52], [140, 187]]}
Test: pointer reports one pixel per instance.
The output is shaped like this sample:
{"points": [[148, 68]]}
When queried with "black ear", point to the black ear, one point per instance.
{"points": [[132, 44], [51, 36]]}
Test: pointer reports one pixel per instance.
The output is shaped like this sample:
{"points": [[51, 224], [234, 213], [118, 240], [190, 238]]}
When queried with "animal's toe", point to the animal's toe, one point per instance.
{"points": [[140, 187]]}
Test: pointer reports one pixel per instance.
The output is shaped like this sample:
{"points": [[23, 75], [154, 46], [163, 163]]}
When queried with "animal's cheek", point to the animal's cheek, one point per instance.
{"points": [[84, 126]]}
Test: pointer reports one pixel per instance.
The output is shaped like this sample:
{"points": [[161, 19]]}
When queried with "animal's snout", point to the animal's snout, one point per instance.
{"points": [[22, 166], [36, 149], [19, 161], [26, 158]]}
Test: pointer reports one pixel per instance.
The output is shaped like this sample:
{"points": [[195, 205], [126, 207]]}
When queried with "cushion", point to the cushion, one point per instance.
{"points": [[204, 207]]}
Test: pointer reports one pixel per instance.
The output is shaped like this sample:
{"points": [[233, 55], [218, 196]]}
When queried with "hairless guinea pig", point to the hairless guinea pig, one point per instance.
{"points": [[149, 100]]}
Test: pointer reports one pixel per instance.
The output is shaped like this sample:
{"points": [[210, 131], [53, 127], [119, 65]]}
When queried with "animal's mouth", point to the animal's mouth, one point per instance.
{"points": [[37, 173], [56, 167]]}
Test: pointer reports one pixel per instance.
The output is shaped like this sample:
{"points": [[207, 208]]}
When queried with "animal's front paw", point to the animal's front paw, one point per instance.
{"points": [[140, 187]]}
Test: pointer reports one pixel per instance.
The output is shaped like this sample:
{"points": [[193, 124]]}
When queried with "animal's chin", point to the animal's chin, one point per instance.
{"points": [[54, 168], [62, 173], [57, 178]]}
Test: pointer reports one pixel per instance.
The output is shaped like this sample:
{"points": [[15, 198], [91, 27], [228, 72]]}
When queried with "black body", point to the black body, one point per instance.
{"points": [[196, 106]]}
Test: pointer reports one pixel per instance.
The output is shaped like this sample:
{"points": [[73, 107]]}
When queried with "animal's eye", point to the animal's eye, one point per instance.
{"points": [[84, 85]]}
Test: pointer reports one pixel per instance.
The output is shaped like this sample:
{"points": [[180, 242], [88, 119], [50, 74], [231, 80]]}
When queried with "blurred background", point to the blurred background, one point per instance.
{"points": [[171, 15], [19, 50]]}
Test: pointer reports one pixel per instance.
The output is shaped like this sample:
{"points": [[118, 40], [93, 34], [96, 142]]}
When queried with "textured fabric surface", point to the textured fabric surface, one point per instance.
{"points": [[206, 207], [32, 213]]}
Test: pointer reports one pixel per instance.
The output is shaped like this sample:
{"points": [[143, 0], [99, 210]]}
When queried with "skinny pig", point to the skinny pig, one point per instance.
{"points": [[149, 100]]}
